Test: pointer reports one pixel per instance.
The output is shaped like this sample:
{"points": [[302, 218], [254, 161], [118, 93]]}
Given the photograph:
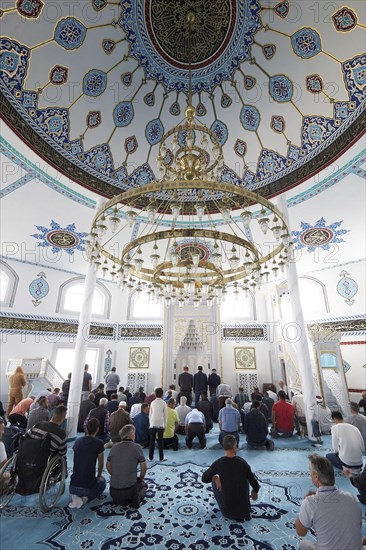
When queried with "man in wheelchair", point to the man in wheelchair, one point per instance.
{"points": [[42, 441]]}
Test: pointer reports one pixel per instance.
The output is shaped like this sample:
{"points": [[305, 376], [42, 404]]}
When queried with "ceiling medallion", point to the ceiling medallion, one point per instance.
{"points": [[59, 238], [319, 235], [189, 198], [230, 24]]}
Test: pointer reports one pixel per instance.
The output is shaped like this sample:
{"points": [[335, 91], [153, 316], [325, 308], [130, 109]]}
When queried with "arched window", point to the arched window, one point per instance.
{"points": [[8, 284], [314, 301], [141, 307], [71, 294], [242, 307]]}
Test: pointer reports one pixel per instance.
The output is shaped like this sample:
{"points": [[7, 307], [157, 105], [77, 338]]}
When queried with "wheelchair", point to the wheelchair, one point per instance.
{"points": [[32, 469]]}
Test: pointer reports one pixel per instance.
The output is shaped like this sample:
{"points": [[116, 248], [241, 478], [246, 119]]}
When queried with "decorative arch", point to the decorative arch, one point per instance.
{"points": [[10, 279], [104, 298]]}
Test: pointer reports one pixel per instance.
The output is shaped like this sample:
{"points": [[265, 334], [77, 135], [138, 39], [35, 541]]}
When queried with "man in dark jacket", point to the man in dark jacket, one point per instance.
{"points": [[213, 381], [205, 406], [185, 382], [85, 407], [102, 415], [256, 428], [199, 384]]}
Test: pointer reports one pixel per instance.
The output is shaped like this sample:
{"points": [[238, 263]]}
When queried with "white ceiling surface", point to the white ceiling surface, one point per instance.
{"points": [[36, 204]]}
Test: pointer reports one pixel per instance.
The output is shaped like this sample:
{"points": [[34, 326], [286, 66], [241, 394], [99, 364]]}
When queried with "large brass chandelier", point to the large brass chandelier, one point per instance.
{"points": [[181, 253]]}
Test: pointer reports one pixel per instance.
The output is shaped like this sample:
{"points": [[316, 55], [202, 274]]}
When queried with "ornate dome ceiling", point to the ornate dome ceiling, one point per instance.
{"points": [[92, 86]]}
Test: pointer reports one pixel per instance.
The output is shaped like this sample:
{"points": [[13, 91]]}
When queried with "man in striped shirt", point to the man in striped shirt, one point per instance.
{"points": [[58, 438]]}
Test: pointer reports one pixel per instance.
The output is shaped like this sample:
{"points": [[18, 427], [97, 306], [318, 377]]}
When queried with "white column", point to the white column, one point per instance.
{"points": [[302, 344], [81, 345]]}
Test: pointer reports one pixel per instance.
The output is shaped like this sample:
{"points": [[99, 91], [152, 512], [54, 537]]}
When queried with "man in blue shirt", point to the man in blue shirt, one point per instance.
{"points": [[229, 421], [141, 422]]}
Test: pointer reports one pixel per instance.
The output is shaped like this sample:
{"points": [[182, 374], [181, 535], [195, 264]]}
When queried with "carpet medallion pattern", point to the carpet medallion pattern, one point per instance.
{"points": [[179, 513]]}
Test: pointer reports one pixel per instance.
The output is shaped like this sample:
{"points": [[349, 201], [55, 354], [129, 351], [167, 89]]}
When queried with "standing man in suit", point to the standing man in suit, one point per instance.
{"points": [[199, 384], [213, 381], [185, 382]]}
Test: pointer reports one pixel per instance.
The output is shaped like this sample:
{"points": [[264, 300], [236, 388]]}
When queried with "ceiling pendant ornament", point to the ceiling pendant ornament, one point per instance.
{"points": [[99, 4], [314, 84], [149, 99], [240, 148], [269, 51], [282, 9], [174, 109], [249, 82], [58, 75], [278, 124], [108, 45], [30, 8], [344, 20], [93, 119], [131, 145], [226, 101], [126, 78]]}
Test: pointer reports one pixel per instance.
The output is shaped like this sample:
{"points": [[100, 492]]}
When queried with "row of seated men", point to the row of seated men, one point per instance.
{"points": [[285, 417]]}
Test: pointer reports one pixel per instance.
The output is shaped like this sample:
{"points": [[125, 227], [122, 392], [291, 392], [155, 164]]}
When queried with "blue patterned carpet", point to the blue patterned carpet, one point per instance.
{"points": [[179, 512]]}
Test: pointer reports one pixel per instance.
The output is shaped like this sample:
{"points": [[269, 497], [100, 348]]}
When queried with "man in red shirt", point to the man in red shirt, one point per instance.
{"points": [[283, 414]]}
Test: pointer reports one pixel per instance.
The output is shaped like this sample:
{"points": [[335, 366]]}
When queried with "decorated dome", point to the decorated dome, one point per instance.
{"points": [[93, 86]]}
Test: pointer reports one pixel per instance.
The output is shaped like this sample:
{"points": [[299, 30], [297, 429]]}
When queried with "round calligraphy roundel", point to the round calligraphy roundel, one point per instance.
{"points": [[139, 357], [245, 358], [63, 239], [214, 19], [316, 236]]}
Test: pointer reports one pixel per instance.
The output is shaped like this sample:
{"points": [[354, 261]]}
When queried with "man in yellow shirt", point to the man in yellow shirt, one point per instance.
{"points": [[170, 438]]}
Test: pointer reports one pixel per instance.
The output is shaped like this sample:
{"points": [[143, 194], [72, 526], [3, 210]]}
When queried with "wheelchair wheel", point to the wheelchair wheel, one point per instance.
{"points": [[53, 483], [8, 482]]}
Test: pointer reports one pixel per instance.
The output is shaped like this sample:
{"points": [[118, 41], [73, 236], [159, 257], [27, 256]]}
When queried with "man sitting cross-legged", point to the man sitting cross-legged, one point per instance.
{"points": [[334, 515], [88, 450], [231, 476], [122, 463]]}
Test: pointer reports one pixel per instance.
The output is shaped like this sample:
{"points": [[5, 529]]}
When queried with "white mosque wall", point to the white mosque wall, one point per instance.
{"points": [[267, 363]]}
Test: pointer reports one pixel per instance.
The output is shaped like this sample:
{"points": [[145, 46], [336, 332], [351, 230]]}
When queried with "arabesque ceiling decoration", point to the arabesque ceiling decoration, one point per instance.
{"points": [[93, 86]]}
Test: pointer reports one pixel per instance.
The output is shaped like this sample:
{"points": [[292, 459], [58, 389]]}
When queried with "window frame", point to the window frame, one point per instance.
{"points": [[60, 306], [130, 307], [13, 277]]}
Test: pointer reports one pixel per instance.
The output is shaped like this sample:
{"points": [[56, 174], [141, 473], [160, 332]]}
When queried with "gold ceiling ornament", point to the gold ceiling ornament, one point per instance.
{"points": [[190, 200]]}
